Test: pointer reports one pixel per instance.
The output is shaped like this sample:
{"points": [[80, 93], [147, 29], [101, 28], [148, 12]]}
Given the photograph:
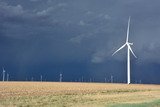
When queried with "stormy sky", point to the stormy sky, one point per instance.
{"points": [[77, 38]]}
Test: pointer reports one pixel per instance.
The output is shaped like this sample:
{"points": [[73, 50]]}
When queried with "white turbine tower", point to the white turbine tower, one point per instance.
{"points": [[41, 78], [111, 79], [7, 77], [128, 44], [3, 74], [60, 77]]}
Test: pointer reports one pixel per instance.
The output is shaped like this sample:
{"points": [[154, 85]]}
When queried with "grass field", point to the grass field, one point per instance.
{"points": [[54, 94]]}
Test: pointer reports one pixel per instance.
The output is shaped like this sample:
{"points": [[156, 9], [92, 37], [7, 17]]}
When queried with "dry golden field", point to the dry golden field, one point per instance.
{"points": [[54, 94]]}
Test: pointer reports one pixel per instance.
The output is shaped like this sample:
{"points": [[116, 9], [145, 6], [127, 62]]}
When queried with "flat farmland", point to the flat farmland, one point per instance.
{"points": [[55, 94]]}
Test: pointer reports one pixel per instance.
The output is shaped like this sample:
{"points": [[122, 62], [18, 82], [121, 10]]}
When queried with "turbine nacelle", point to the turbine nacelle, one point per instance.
{"points": [[129, 43]]}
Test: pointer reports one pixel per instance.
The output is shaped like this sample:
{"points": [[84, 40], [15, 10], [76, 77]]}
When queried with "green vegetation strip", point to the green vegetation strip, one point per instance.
{"points": [[155, 103]]}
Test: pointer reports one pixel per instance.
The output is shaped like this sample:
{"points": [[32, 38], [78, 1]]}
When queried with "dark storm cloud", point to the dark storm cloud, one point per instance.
{"points": [[87, 32], [54, 21], [92, 21]]}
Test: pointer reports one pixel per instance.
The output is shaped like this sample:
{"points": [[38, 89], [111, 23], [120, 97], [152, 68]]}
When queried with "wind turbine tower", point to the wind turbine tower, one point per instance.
{"points": [[129, 49], [4, 74], [60, 77], [7, 77], [41, 78], [32, 79], [105, 80], [82, 78], [111, 79], [90, 80]]}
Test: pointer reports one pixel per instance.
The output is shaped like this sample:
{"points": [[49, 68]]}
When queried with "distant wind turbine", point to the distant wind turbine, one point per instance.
{"points": [[60, 77], [90, 80], [3, 74], [41, 78], [7, 77], [128, 44], [32, 79], [111, 79], [105, 80], [82, 78]]}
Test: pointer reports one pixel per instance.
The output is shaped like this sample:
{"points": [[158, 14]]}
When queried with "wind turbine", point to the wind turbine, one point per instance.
{"points": [[32, 79], [111, 79], [60, 77], [7, 77], [82, 78], [3, 74], [105, 79], [128, 44], [90, 80], [41, 78]]}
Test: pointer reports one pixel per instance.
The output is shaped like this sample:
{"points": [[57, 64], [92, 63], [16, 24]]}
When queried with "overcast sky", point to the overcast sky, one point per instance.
{"points": [[77, 38]]}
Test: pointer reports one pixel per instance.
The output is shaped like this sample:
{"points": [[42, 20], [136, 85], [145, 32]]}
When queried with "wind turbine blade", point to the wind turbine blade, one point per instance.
{"points": [[119, 49], [128, 29], [3, 69], [132, 51]]}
